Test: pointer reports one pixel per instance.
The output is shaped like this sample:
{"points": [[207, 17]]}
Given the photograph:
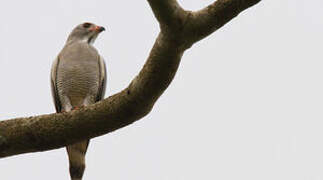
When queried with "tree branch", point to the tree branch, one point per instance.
{"points": [[168, 12], [204, 22], [179, 30]]}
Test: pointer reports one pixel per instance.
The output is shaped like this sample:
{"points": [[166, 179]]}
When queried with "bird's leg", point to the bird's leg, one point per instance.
{"points": [[66, 104], [88, 100]]}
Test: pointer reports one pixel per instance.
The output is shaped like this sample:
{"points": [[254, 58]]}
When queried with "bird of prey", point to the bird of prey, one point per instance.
{"points": [[78, 78]]}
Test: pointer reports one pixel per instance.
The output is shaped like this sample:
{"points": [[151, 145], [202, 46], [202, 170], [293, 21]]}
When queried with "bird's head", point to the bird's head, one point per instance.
{"points": [[85, 32]]}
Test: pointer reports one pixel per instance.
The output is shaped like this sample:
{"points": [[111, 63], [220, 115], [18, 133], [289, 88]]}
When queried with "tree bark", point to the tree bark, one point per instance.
{"points": [[180, 29]]}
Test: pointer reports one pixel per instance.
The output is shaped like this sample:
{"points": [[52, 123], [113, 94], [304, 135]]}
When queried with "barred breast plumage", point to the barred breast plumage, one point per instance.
{"points": [[78, 73]]}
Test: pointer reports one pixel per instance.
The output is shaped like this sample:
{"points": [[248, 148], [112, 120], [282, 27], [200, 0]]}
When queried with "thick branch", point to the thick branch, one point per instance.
{"points": [[52, 131], [204, 22], [39, 133], [168, 13]]}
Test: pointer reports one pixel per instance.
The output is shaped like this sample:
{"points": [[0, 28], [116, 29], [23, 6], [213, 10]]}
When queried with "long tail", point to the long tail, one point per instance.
{"points": [[76, 154]]}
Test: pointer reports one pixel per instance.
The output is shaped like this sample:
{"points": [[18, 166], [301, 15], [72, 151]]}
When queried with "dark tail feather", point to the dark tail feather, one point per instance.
{"points": [[76, 155]]}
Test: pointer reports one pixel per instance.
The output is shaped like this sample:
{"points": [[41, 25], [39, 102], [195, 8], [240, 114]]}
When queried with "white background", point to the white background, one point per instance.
{"points": [[245, 104]]}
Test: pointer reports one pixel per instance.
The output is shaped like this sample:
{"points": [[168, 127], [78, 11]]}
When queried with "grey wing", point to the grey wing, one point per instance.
{"points": [[53, 76], [102, 80]]}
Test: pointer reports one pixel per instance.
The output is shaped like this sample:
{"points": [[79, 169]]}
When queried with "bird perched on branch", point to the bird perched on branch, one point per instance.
{"points": [[78, 78]]}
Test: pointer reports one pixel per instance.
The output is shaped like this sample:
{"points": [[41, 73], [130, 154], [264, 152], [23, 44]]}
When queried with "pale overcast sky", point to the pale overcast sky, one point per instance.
{"points": [[246, 103]]}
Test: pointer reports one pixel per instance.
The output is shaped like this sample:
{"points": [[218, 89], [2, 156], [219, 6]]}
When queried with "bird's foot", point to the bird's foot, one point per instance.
{"points": [[77, 108]]}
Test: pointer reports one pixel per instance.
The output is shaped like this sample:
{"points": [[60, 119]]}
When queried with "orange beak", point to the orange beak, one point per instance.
{"points": [[97, 29]]}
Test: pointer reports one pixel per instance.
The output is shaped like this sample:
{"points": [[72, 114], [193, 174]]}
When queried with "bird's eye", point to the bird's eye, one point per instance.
{"points": [[86, 25]]}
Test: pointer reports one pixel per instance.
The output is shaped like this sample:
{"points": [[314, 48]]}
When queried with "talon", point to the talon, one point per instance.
{"points": [[77, 108]]}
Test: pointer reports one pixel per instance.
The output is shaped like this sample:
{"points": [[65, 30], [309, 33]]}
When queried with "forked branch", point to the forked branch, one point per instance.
{"points": [[179, 30]]}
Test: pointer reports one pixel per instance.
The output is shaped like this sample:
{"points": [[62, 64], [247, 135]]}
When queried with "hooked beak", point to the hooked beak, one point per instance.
{"points": [[97, 29]]}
